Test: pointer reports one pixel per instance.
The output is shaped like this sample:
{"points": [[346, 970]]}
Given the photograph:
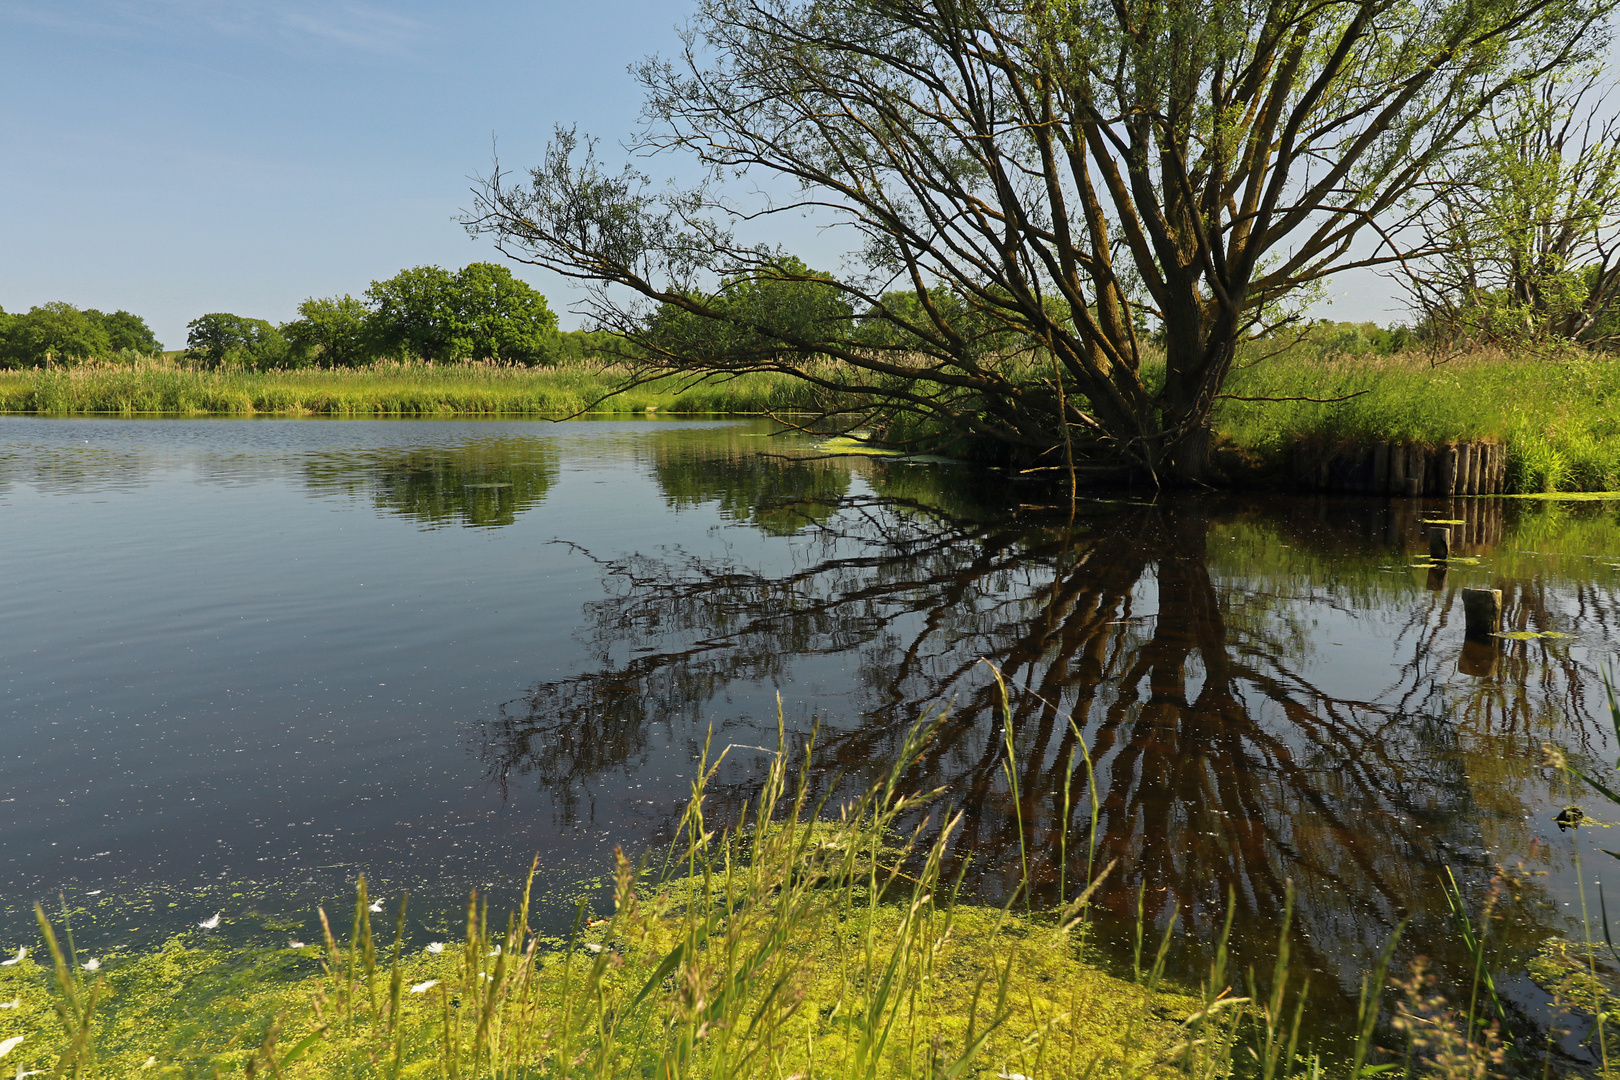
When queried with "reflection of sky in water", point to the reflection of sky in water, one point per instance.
{"points": [[278, 652]]}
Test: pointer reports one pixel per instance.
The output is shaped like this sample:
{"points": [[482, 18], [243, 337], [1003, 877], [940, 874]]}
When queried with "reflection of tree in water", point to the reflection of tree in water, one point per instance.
{"points": [[736, 469], [1221, 766], [482, 484]]}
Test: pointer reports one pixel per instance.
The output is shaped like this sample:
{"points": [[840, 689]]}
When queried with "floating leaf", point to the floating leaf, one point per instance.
{"points": [[1531, 635], [1446, 521]]}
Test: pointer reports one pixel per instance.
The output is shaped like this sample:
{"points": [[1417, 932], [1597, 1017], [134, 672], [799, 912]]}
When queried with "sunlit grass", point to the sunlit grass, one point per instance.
{"points": [[1559, 416], [164, 388]]}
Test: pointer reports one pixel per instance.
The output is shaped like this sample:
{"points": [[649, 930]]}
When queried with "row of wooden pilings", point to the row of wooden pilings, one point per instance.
{"points": [[1401, 468]]}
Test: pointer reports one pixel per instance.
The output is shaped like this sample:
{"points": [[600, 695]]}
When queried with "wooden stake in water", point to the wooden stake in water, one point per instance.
{"points": [[1482, 611], [1439, 543]]}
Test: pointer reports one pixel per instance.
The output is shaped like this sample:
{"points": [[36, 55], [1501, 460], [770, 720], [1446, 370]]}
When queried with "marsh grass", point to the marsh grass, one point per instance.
{"points": [[164, 387], [1558, 415]]}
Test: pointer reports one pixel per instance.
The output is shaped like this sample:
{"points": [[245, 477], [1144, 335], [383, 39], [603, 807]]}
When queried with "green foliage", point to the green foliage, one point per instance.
{"points": [[1334, 339], [59, 333], [334, 332], [902, 321], [1523, 226], [225, 341], [579, 346], [414, 313], [481, 312], [127, 333], [497, 317], [780, 310], [56, 332]]}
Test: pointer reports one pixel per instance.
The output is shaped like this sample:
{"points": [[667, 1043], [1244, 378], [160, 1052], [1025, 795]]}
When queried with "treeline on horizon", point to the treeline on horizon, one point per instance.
{"points": [[425, 313], [482, 313]]}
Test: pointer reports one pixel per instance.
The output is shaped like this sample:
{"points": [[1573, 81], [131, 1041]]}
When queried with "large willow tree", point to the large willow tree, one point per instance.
{"points": [[1070, 175]]}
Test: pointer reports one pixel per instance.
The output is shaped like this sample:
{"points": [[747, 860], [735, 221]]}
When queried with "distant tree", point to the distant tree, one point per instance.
{"points": [[783, 301], [222, 340], [414, 312], [333, 332], [56, 332], [127, 332], [498, 317], [582, 345], [480, 312]]}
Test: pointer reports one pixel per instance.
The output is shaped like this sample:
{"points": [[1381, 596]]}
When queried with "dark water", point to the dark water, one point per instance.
{"points": [[245, 661]]}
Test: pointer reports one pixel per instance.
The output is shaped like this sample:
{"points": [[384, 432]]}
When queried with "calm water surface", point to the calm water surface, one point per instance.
{"points": [[245, 661]]}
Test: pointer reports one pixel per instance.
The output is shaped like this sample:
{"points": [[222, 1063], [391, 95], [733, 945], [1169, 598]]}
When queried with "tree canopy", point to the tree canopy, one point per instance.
{"points": [[1074, 172], [480, 312], [223, 340], [333, 332], [61, 333]]}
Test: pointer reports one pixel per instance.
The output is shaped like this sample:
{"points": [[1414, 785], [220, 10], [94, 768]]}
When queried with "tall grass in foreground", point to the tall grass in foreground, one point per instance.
{"points": [[801, 943]]}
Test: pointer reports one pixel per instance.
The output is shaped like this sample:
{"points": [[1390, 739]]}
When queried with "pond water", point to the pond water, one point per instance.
{"points": [[244, 661]]}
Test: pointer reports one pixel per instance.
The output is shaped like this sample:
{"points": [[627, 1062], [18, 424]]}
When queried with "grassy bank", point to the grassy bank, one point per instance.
{"points": [[381, 390], [812, 944], [1560, 418]]}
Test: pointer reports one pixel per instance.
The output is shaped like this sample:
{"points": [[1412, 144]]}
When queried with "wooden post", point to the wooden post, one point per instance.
{"points": [[1439, 543], [1397, 468], [1448, 470], [1468, 480], [1380, 468], [1357, 466], [1482, 612], [1501, 468], [1417, 469]]}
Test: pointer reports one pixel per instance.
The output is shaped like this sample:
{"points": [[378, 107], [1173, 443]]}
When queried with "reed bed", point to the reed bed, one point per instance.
{"points": [[385, 389], [1559, 414]]}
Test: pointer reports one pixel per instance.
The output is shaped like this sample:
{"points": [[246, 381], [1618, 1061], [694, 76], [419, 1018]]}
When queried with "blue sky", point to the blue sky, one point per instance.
{"points": [[178, 157]]}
